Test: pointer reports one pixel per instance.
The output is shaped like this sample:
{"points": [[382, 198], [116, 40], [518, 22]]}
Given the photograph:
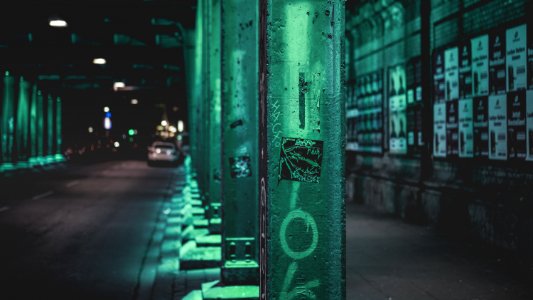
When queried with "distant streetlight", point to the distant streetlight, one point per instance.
{"points": [[99, 61], [90, 129], [57, 23], [181, 126], [164, 123], [106, 108], [134, 101], [116, 144]]}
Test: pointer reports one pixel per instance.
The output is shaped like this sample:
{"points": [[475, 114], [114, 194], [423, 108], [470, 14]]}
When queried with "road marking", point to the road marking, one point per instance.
{"points": [[73, 183], [3, 208], [43, 195]]}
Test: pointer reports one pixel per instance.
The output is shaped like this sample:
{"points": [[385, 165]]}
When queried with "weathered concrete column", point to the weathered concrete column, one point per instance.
{"points": [[23, 120], [40, 124], [8, 119], [59, 129], [214, 112], [302, 149], [240, 95], [50, 125]]}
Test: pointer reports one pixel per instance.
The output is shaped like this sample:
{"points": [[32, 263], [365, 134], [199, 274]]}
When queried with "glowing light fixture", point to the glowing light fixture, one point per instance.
{"points": [[99, 61], [107, 123], [90, 129], [57, 23], [172, 129], [106, 109], [164, 123], [181, 126], [116, 144], [118, 85], [134, 101], [131, 132]]}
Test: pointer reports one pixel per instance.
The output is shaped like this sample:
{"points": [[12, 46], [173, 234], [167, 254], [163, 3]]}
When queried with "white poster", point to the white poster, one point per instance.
{"points": [[439, 130], [451, 73], [516, 58], [529, 119], [466, 128], [498, 127], [480, 65]]}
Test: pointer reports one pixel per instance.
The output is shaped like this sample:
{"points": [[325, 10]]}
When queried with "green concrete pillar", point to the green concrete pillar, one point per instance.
{"points": [[50, 125], [302, 134], [8, 119], [33, 123], [23, 120], [240, 102], [59, 129], [40, 124], [214, 111], [195, 106]]}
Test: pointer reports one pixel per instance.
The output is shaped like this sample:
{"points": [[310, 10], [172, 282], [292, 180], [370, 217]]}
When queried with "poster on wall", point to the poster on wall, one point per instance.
{"points": [[465, 71], [438, 76], [516, 58], [497, 63], [466, 128], [530, 58], [480, 65], [439, 130], [498, 127], [529, 118], [452, 126], [481, 127], [414, 105], [397, 110], [451, 73], [516, 124]]}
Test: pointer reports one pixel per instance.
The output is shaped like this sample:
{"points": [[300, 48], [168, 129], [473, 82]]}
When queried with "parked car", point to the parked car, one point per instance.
{"points": [[163, 152]]}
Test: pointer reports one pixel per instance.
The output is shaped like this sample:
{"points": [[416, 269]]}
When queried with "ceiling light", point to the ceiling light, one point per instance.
{"points": [[99, 61], [119, 85], [57, 23], [106, 109], [134, 101]]}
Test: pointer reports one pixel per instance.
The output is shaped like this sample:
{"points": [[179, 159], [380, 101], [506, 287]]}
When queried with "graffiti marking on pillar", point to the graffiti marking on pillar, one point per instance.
{"points": [[240, 166], [300, 160], [311, 226]]}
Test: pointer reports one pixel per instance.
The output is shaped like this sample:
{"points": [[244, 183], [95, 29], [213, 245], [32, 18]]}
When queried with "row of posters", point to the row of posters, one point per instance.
{"points": [[490, 64], [364, 114], [498, 127]]}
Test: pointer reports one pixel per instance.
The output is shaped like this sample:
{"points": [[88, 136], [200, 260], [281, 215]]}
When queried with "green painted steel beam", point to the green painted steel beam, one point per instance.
{"points": [[59, 127], [22, 129], [8, 119], [50, 125], [214, 110], [302, 149], [240, 119]]}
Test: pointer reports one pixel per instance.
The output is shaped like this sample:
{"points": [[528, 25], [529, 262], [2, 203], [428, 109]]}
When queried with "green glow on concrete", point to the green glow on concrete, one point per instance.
{"points": [[213, 290], [200, 223], [173, 231], [170, 246], [174, 220], [7, 122], [208, 240], [200, 258], [169, 265], [302, 197]]}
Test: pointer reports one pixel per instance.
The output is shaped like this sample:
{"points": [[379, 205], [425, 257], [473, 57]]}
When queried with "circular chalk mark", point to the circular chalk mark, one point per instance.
{"points": [[310, 221]]}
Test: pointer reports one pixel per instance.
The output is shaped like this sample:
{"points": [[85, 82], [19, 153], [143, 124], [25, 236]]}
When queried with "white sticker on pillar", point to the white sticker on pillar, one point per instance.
{"points": [[466, 128], [439, 129], [529, 118], [516, 58], [498, 127]]}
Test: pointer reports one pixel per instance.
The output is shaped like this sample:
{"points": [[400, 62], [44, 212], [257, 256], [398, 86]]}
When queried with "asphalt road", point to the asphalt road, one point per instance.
{"points": [[80, 231]]}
